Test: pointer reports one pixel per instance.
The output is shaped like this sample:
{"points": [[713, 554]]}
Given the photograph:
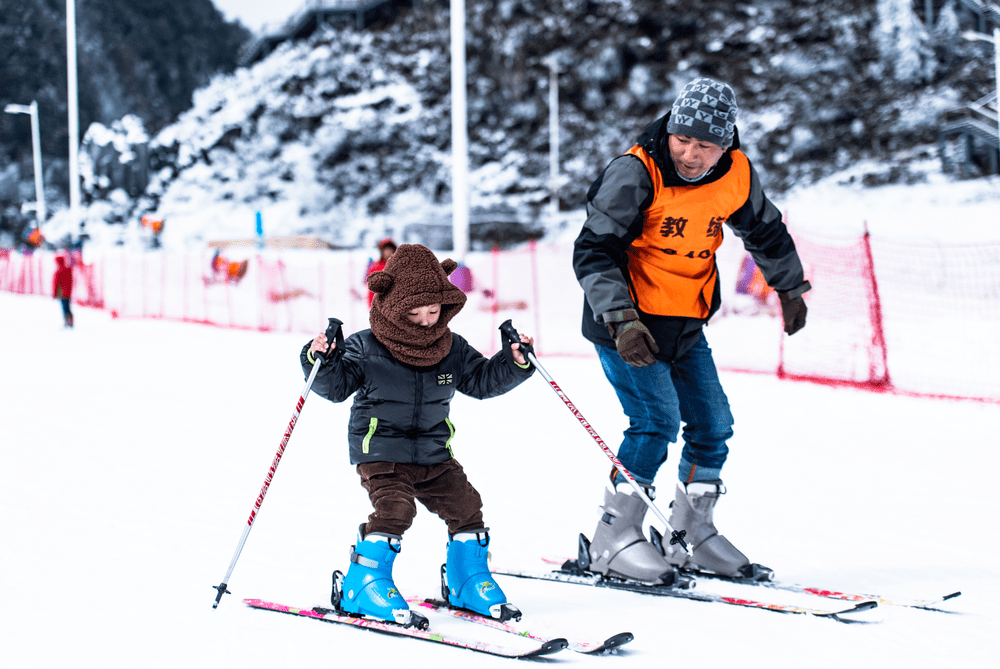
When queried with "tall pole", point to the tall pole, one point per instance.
{"points": [[36, 150], [459, 135], [553, 137], [72, 100], [996, 57]]}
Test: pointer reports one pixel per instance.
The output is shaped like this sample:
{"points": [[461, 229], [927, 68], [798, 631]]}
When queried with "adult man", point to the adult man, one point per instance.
{"points": [[646, 261]]}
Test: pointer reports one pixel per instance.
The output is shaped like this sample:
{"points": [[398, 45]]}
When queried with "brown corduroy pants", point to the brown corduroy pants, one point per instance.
{"points": [[442, 488]]}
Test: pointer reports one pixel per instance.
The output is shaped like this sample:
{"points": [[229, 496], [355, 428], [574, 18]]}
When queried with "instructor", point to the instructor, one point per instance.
{"points": [[646, 261]]}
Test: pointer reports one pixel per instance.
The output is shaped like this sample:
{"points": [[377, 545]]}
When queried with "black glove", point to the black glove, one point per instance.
{"points": [[633, 340], [793, 308]]}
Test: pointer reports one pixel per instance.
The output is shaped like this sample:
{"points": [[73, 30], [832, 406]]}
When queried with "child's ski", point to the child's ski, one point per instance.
{"points": [[331, 616], [608, 646]]}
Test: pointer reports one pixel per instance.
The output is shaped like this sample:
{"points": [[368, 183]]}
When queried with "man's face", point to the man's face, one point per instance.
{"points": [[425, 317], [693, 157]]}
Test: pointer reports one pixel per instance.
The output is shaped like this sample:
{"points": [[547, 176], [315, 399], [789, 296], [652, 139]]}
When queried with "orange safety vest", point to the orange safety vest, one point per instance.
{"points": [[672, 263]]}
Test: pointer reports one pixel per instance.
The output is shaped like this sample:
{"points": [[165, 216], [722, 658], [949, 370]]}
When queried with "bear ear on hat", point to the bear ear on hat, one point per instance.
{"points": [[449, 266], [379, 282]]}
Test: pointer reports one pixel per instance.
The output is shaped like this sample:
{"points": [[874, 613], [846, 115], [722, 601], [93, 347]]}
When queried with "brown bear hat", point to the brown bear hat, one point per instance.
{"points": [[413, 278]]}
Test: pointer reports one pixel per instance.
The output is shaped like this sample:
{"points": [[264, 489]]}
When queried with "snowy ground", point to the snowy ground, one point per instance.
{"points": [[134, 451]]}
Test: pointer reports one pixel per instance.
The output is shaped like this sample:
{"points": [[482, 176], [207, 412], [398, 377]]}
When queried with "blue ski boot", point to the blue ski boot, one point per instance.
{"points": [[368, 588], [466, 581]]}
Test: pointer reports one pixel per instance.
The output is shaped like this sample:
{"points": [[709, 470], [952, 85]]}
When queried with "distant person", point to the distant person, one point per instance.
{"points": [[386, 247], [404, 373], [62, 288], [646, 261]]}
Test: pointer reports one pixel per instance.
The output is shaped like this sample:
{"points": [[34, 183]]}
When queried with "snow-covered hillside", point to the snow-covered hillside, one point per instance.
{"points": [[346, 135]]}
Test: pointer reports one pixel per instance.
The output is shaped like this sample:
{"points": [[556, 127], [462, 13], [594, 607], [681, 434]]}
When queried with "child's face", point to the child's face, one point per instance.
{"points": [[425, 317]]}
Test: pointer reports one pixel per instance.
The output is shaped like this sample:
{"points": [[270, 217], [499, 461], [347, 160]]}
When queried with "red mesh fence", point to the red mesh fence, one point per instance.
{"points": [[940, 307], [920, 318], [31, 274], [843, 341]]}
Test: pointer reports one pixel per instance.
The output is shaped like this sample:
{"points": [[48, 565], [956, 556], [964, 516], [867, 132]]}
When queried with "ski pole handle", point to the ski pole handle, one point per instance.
{"points": [[512, 337], [335, 333]]}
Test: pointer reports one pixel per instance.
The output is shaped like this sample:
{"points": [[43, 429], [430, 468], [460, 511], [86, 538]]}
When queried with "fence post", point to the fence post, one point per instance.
{"points": [[875, 310]]}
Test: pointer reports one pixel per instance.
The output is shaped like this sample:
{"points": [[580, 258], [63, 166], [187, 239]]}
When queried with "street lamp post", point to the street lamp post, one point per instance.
{"points": [[73, 120], [459, 135], [976, 36], [36, 150], [553, 64]]}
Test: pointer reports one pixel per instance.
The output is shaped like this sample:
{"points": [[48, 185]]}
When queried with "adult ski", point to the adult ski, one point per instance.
{"points": [[929, 604], [609, 646], [844, 614], [539, 649]]}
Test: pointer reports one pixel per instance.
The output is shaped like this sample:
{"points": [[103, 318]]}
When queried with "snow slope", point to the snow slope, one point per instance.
{"points": [[134, 451]]}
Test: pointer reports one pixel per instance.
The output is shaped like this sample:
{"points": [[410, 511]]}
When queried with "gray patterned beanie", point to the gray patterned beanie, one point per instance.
{"points": [[706, 110]]}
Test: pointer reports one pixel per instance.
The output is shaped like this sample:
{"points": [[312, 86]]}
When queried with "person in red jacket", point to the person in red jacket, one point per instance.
{"points": [[62, 288], [386, 248]]}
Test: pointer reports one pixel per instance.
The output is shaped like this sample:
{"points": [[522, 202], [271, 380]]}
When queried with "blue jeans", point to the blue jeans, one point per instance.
{"points": [[657, 399]]}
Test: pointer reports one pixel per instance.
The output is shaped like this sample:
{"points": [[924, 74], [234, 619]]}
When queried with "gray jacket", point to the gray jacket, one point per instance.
{"points": [[615, 205]]}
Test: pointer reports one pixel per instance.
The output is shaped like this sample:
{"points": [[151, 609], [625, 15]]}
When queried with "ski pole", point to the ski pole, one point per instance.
{"points": [[333, 332], [508, 331]]}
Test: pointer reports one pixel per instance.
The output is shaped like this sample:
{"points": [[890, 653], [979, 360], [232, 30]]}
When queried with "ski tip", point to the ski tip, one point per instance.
{"points": [[862, 612], [951, 596], [612, 645], [549, 647]]}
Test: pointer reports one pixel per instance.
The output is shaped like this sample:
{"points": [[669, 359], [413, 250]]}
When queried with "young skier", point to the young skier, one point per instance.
{"points": [[403, 373]]}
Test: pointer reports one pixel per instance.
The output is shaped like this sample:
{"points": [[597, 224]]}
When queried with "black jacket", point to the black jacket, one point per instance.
{"points": [[401, 412], [615, 205]]}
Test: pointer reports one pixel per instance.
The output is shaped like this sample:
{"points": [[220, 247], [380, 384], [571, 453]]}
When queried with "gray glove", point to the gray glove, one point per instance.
{"points": [[633, 340]]}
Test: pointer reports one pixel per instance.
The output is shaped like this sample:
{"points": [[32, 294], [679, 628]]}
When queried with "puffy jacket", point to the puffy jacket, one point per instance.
{"points": [[616, 216], [401, 412]]}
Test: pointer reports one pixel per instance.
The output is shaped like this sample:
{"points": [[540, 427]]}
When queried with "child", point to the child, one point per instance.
{"points": [[403, 373]]}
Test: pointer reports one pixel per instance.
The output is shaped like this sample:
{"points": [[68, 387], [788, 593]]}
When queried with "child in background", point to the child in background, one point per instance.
{"points": [[403, 373], [62, 288], [386, 248]]}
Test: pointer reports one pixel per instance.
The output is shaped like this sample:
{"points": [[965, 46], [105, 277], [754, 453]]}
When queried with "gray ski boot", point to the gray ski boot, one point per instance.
{"points": [[620, 549], [692, 511]]}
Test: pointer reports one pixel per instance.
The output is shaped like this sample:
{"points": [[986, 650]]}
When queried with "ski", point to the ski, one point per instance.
{"points": [[844, 615], [926, 604], [609, 646], [329, 615]]}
